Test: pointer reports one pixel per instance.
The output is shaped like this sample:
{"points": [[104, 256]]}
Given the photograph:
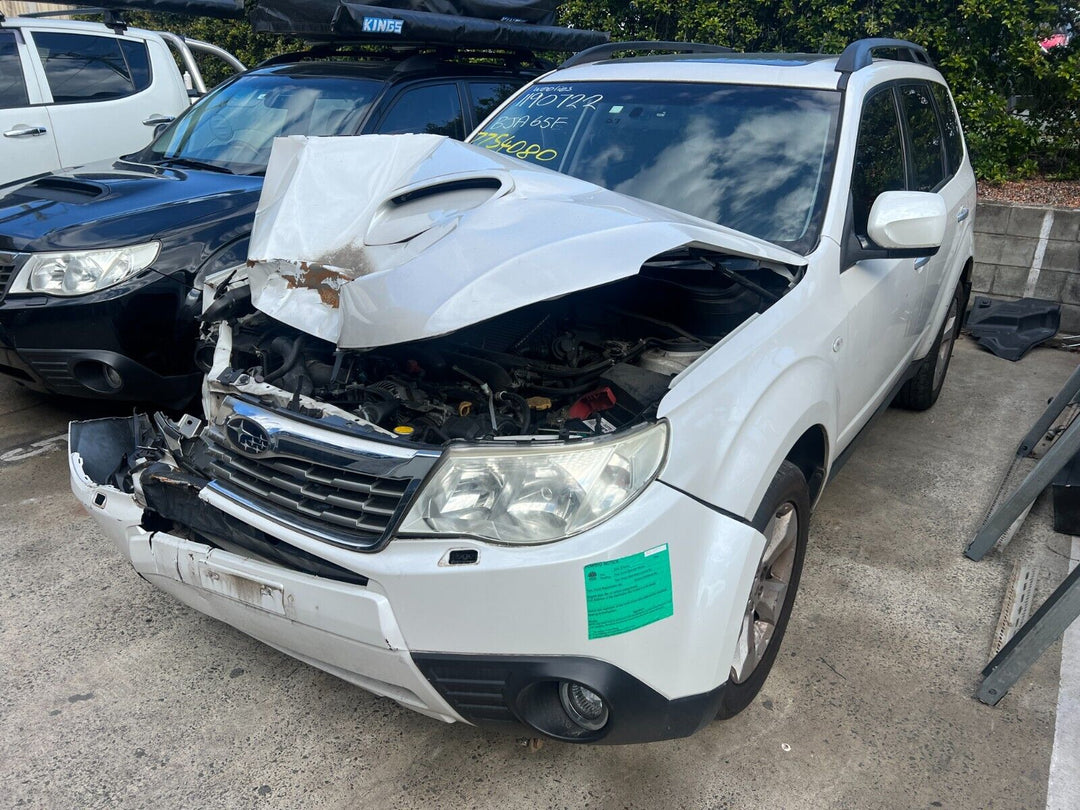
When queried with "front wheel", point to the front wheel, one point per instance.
{"points": [[784, 519], [922, 390]]}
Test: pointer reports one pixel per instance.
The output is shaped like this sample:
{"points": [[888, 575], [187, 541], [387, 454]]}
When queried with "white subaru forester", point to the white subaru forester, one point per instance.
{"points": [[529, 429]]}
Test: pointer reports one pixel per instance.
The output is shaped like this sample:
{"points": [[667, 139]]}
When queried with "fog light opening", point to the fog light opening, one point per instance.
{"points": [[98, 376], [565, 710], [582, 705]]}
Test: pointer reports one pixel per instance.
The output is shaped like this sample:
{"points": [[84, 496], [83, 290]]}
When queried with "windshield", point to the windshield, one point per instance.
{"points": [[757, 159], [233, 128]]}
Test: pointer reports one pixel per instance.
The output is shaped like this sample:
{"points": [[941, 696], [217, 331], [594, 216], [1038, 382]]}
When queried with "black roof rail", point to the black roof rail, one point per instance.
{"points": [[599, 52], [860, 54]]}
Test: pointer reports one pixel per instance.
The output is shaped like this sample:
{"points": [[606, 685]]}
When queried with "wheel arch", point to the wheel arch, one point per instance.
{"points": [[761, 430], [810, 454]]}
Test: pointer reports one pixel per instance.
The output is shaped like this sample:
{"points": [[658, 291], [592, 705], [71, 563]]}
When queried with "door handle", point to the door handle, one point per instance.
{"points": [[21, 131], [156, 119], [921, 262], [962, 214]]}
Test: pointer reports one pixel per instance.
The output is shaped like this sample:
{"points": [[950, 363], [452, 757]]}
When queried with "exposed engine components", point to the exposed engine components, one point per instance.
{"points": [[589, 363]]}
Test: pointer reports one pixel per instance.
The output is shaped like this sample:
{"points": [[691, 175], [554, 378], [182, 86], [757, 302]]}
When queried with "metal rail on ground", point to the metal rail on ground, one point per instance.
{"points": [[1052, 442]]}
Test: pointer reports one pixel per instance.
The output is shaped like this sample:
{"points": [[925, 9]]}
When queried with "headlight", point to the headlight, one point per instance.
{"points": [[77, 272], [536, 494]]}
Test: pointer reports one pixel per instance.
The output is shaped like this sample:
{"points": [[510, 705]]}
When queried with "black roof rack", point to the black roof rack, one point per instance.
{"points": [[601, 52], [406, 56], [860, 54]]}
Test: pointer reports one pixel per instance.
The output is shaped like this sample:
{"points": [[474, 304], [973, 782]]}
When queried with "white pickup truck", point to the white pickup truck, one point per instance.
{"points": [[75, 92]]}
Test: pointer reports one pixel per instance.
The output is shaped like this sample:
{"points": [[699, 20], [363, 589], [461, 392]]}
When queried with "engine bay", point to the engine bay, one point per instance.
{"points": [[585, 364]]}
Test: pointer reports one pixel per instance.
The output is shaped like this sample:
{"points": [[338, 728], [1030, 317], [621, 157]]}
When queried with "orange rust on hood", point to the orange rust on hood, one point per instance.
{"points": [[323, 280]]}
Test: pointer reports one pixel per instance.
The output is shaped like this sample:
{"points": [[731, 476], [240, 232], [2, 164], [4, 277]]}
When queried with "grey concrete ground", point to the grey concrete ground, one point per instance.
{"points": [[113, 695]]}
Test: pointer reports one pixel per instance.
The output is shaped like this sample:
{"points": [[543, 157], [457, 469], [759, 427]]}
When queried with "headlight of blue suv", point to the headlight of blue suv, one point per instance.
{"points": [[77, 272], [528, 495]]}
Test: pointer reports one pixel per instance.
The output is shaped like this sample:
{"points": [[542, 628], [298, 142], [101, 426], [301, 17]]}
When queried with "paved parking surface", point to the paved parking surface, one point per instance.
{"points": [[112, 694]]}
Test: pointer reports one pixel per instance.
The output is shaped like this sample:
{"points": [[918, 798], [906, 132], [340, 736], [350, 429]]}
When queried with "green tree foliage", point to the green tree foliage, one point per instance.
{"points": [[1020, 107]]}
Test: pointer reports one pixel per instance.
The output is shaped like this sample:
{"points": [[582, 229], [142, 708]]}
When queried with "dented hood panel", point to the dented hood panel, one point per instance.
{"points": [[375, 240]]}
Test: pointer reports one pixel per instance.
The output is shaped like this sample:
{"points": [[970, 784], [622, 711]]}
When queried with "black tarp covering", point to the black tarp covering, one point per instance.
{"points": [[489, 24], [194, 8]]}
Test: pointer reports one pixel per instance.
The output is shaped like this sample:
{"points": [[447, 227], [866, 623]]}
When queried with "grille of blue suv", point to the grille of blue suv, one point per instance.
{"points": [[342, 505], [7, 272]]}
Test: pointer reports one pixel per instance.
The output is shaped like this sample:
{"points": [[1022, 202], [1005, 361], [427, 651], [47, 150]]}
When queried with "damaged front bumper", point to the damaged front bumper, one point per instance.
{"points": [[457, 629]]}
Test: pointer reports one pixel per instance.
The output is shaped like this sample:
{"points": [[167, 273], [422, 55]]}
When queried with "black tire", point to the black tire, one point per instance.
{"points": [[921, 391], [788, 489]]}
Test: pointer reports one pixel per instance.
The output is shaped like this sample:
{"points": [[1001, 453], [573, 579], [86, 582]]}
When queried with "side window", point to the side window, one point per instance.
{"points": [[879, 156], [138, 62], [927, 150], [954, 140], [12, 81], [486, 96], [433, 109], [81, 67]]}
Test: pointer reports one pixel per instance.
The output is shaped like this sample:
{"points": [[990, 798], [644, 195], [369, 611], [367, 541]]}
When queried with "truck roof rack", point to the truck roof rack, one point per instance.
{"points": [[600, 52], [860, 54]]}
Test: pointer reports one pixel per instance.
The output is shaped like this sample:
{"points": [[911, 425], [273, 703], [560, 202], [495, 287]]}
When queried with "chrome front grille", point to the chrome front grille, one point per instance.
{"points": [[344, 505]]}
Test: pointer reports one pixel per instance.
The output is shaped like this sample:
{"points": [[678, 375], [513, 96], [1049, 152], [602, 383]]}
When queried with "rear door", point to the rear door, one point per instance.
{"points": [[101, 91], [27, 146], [929, 171], [433, 108]]}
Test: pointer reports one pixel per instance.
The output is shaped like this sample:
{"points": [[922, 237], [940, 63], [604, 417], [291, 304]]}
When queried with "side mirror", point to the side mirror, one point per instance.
{"points": [[907, 220]]}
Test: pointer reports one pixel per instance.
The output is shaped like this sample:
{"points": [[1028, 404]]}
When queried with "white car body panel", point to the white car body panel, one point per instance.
{"points": [[83, 132], [414, 604], [539, 235]]}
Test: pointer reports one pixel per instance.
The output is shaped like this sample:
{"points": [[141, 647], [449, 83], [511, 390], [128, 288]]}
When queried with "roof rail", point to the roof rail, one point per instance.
{"points": [[599, 52], [860, 54]]}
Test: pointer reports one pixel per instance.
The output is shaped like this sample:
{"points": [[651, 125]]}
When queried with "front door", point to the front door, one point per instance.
{"points": [[883, 297], [27, 144]]}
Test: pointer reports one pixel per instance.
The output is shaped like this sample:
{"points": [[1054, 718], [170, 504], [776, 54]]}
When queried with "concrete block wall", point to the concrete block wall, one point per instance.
{"points": [[1029, 251]]}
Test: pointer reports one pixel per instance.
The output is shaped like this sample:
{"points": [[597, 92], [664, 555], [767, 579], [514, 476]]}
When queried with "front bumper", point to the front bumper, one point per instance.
{"points": [[144, 331], [480, 642]]}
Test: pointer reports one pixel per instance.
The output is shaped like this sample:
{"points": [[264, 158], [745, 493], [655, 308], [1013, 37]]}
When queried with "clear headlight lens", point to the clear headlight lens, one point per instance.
{"points": [[77, 272], [536, 494]]}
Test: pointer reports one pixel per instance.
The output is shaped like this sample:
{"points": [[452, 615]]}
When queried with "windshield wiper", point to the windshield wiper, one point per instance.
{"points": [[191, 163]]}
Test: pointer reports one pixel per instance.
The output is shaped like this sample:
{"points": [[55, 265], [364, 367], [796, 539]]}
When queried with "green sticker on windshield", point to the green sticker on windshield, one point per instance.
{"points": [[630, 592]]}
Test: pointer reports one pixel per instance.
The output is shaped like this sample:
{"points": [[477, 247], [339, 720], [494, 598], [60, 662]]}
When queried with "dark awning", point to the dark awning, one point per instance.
{"points": [[471, 23]]}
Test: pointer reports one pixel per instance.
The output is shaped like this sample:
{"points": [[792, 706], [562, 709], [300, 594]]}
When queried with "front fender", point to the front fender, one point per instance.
{"points": [[738, 411], [732, 467]]}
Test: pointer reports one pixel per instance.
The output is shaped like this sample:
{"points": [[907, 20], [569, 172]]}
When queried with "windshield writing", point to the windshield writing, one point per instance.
{"points": [[757, 159]]}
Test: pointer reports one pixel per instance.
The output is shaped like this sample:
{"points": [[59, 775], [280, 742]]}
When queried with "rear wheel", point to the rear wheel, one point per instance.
{"points": [[783, 518], [922, 390]]}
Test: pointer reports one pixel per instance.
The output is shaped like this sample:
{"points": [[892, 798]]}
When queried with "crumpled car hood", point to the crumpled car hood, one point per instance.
{"points": [[375, 240]]}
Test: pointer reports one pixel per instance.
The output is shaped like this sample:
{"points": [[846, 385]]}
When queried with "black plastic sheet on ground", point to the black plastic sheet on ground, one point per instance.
{"points": [[490, 24]]}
